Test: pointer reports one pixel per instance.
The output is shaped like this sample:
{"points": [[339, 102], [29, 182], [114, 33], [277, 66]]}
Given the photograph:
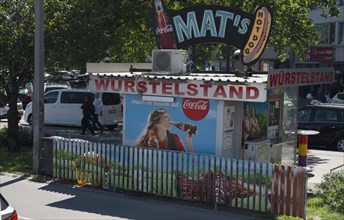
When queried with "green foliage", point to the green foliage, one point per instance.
{"points": [[16, 42], [24, 136], [285, 217], [317, 210], [16, 56], [81, 31], [84, 31], [257, 179], [18, 162], [270, 216], [331, 191]]}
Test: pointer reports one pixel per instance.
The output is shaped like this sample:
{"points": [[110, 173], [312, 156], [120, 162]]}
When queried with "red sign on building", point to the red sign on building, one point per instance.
{"points": [[320, 53]]}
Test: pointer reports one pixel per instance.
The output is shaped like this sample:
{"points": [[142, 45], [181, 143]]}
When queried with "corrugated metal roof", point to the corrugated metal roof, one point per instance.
{"points": [[204, 77]]}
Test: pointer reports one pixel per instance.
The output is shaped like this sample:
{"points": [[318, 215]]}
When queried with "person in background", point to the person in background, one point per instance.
{"points": [[157, 133], [86, 122], [98, 105], [328, 98]]}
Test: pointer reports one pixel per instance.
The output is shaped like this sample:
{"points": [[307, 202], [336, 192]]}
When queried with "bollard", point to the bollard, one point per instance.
{"points": [[303, 147]]}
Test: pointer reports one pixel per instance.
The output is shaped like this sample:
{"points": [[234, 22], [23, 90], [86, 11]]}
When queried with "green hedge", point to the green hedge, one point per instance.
{"points": [[331, 191], [24, 137]]}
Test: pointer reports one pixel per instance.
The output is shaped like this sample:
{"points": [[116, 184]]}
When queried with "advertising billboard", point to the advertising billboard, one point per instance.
{"points": [[213, 23], [185, 124]]}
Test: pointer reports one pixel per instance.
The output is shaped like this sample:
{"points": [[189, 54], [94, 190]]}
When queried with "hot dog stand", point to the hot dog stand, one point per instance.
{"points": [[216, 104], [246, 115]]}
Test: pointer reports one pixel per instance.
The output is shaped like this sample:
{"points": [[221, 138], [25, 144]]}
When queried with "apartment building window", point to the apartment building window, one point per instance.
{"points": [[341, 33], [327, 32]]}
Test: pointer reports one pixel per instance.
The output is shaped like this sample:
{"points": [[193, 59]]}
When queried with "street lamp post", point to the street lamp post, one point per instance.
{"points": [[38, 104]]}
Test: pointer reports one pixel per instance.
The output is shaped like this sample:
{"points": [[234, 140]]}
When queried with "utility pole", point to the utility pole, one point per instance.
{"points": [[38, 104]]}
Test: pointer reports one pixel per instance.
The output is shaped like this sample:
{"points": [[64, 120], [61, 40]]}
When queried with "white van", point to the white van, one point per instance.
{"points": [[62, 107]]}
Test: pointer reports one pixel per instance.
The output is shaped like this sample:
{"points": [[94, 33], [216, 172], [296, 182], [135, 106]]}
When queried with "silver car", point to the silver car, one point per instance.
{"points": [[4, 109], [338, 98], [7, 212]]}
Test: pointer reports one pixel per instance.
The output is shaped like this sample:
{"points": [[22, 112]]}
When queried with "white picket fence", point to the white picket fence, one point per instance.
{"points": [[222, 181]]}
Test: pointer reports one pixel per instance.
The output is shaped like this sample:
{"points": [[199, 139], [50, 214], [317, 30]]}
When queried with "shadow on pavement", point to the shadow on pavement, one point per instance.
{"points": [[20, 178], [314, 159], [117, 205]]}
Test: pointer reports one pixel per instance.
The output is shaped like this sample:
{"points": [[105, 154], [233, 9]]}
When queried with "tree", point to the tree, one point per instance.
{"points": [[16, 57], [87, 31]]}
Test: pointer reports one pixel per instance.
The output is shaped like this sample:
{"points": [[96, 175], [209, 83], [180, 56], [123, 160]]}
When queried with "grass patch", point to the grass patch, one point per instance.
{"points": [[315, 209], [16, 162]]}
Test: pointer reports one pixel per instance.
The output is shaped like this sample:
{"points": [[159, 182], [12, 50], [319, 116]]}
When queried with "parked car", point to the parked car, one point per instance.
{"points": [[78, 84], [25, 96], [50, 87], [62, 107], [7, 211], [338, 98], [3, 111], [328, 119]]}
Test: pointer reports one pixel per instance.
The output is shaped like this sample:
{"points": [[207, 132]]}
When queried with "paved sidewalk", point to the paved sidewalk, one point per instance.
{"points": [[320, 162], [34, 200]]}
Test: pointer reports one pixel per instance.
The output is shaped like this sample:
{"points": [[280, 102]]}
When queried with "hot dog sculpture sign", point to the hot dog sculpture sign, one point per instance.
{"points": [[213, 23]]}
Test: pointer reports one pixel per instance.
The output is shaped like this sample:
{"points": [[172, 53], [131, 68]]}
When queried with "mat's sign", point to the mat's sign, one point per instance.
{"points": [[213, 23]]}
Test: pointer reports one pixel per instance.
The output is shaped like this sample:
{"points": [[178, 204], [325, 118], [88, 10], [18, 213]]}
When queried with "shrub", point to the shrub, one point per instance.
{"points": [[24, 136], [331, 191], [3, 137]]}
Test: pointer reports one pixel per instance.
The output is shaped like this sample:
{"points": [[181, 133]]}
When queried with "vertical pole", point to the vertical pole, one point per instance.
{"points": [[38, 105], [229, 58], [303, 145]]}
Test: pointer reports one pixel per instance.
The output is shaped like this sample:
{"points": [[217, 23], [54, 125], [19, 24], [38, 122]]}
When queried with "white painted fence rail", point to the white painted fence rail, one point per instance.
{"points": [[263, 187]]}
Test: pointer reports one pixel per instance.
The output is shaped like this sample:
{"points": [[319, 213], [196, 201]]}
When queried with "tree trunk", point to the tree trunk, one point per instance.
{"points": [[12, 117]]}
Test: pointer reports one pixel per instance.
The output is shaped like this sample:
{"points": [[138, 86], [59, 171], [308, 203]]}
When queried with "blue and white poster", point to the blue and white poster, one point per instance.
{"points": [[185, 124]]}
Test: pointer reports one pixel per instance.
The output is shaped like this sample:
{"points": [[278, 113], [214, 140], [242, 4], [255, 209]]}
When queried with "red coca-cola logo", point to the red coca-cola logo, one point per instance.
{"points": [[196, 109], [161, 30]]}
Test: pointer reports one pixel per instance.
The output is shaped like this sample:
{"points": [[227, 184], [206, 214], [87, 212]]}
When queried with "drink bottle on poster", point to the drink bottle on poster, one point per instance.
{"points": [[164, 30], [185, 127]]}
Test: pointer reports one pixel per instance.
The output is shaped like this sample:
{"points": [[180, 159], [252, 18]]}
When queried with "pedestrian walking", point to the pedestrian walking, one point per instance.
{"points": [[98, 105], [88, 110]]}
